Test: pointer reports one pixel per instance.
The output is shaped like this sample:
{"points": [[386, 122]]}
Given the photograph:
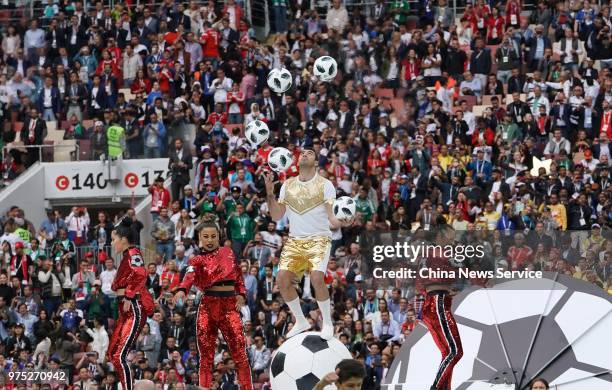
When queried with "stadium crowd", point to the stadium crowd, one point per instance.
{"points": [[495, 123]]}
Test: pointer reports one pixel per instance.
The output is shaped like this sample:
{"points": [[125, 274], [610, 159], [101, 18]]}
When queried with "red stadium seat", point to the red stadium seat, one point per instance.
{"points": [[384, 93], [301, 106], [47, 153], [486, 100], [398, 105], [84, 149], [471, 100], [18, 126]]}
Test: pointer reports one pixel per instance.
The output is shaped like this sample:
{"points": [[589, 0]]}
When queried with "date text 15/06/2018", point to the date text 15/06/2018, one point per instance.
{"points": [[427, 273], [37, 376]]}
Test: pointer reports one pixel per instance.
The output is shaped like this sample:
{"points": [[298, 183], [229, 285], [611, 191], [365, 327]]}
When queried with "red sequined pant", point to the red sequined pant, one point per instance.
{"points": [[219, 313], [125, 334], [439, 320]]}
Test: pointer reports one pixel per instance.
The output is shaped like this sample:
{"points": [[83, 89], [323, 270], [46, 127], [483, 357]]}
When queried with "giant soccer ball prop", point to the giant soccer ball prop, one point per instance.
{"points": [[257, 132], [279, 80], [557, 328], [325, 68], [344, 208], [303, 360], [280, 159]]}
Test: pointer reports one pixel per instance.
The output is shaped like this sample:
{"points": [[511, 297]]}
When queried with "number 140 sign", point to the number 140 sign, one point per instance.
{"points": [[90, 178]]}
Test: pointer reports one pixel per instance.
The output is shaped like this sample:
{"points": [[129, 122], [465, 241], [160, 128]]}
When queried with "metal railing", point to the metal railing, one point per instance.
{"points": [[98, 263], [9, 147]]}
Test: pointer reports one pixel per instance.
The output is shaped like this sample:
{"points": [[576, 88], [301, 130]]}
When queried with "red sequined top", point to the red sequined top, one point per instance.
{"points": [[212, 268], [132, 277], [436, 264]]}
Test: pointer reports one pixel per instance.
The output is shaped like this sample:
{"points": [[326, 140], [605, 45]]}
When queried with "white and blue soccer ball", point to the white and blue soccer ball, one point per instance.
{"points": [[280, 159], [257, 132], [344, 208], [280, 80], [303, 360], [325, 68]]}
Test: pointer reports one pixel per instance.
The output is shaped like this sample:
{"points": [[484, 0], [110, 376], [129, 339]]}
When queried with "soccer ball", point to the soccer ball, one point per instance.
{"points": [[325, 68], [542, 338], [280, 159], [279, 80], [303, 360], [257, 132], [344, 208]]}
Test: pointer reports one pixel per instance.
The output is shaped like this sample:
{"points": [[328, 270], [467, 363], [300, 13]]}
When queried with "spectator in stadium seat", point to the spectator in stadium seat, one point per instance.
{"points": [[163, 233], [49, 101], [51, 285], [241, 228], [259, 356], [180, 164], [154, 134], [32, 134], [337, 16], [160, 197]]}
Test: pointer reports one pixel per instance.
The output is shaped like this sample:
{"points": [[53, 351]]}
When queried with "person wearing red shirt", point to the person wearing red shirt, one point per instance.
{"points": [[210, 44], [513, 13], [218, 116], [483, 131], [141, 83], [107, 60], [411, 66], [161, 197], [234, 13], [235, 104], [495, 27], [135, 303], [606, 119], [216, 273], [519, 254]]}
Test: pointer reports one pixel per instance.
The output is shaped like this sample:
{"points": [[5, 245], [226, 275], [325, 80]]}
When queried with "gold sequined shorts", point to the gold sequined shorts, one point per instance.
{"points": [[305, 254]]}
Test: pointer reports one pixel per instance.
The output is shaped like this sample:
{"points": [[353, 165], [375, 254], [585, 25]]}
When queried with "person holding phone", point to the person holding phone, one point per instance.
{"points": [[134, 301]]}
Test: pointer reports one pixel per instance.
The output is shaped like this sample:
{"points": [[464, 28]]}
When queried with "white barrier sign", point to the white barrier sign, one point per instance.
{"points": [[86, 179]]}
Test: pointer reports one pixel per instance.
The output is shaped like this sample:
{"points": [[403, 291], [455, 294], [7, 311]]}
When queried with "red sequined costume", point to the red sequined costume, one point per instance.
{"points": [[438, 318], [131, 276], [217, 311]]}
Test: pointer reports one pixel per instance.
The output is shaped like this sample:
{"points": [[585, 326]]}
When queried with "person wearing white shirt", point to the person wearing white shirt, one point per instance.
{"points": [[569, 50], [471, 85], [387, 329], [539, 100], [337, 16], [220, 87], [33, 39], [131, 63], [100, 340], [106, 278]]}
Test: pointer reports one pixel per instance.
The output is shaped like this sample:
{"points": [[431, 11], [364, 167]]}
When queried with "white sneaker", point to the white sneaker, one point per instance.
{"points": [[298, 328], [327, 332]]}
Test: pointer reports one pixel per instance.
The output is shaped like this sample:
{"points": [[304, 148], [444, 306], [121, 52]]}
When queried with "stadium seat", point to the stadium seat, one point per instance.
{"points": [[55, 135], [88, 123], [470, 100], [478, 110], [51, 125], [301, 106], [47, 153], [18, 126], [84, 149], [384, 93], [65, 151], [486, 99]]}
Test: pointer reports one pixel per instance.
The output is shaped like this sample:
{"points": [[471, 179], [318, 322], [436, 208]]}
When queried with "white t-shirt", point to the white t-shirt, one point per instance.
{"points": [[306, 205], [106, 278]]}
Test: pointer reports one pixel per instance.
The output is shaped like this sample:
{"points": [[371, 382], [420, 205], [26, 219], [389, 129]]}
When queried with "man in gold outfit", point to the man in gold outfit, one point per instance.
{"points": [[307, 199]]}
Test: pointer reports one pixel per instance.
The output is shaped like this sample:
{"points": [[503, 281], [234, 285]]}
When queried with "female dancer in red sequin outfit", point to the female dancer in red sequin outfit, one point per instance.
{"points": [[135, 301], [216, 273], [437, 315]]}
